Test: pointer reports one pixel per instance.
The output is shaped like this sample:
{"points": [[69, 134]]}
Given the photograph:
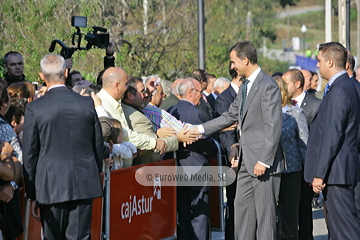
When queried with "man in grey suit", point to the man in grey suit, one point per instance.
{"points": [[257, 109]]}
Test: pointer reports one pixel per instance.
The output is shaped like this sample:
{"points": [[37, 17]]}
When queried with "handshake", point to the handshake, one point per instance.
{"points": [[187, 135]]}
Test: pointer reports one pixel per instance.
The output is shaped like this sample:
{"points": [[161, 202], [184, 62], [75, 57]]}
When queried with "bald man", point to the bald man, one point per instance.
{"points": [[114, 86], [173, 97], [307, 79]]}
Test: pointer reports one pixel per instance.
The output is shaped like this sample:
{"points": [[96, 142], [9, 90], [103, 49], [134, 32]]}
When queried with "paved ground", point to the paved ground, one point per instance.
{"points": [[320, 231]]}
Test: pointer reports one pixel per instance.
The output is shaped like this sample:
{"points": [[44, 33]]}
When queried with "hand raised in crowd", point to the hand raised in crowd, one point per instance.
{"points": [[6, 192], [35, 210], [160, 145], [318, 185], [187, 136], [96, 99], [6, 148], [151, 86], [7, 166], [110, 49], [165, 132], [68, 63]]}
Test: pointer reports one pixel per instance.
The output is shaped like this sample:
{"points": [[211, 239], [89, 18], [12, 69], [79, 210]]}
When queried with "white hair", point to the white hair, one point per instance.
{"points": [[184, 86], [220, 82], [53, 68], [175, 90]]}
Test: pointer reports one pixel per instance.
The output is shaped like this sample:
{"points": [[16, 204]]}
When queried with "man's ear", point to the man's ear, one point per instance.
{"points": [[66, 73], [41, 75], [347, 66], [13, 123], [247, 61], [297, 84], [330, 62]]}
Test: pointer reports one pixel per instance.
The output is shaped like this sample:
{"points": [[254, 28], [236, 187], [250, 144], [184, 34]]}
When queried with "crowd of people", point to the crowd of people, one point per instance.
{"points": [[287, 138]]}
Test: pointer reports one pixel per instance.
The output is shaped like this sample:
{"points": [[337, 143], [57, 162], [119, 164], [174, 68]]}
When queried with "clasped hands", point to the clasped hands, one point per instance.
{"points": [[318, 185]]}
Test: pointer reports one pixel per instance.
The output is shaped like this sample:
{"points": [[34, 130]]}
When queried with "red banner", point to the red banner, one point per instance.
{"points": [[141, 212]]}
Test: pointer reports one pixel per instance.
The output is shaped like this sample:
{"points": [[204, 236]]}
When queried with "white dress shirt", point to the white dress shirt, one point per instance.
{"points": [[235, 87], [299, 99]]}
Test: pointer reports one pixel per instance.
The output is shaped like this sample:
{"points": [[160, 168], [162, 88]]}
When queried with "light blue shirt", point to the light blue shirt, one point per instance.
{"points": [[333, 78]]}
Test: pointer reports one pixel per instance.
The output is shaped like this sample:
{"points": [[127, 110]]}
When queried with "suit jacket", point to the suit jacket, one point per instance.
{"points": [[222, 104], [333, 141], [310, 105], [114, 110], [294, 137], [260, 124], [197, 153], [205, 108], [211, 101], [169, 102], [139, 123], [63, 147]]}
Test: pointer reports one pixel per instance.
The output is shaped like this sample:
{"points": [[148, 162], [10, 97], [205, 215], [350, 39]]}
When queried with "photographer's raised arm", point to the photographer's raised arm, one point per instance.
{"points": [[109, 59]]}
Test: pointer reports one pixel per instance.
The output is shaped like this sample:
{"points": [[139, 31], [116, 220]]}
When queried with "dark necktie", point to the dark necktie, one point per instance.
{"points": [[326, 89], [293, 102], [243, 94]]}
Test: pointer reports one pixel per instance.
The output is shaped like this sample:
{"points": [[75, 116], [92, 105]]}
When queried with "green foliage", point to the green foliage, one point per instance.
{"points": [[169, 48], [270, 66]]}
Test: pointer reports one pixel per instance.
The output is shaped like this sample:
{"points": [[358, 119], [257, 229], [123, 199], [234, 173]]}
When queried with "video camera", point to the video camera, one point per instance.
{"points": [[94, 39]]}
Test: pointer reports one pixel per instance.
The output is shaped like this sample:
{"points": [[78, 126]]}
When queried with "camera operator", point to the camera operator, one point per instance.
{"points": [[14, 65]]}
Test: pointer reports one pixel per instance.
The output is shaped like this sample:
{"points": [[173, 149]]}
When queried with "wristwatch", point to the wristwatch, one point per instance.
{"points": [[14, 185]]}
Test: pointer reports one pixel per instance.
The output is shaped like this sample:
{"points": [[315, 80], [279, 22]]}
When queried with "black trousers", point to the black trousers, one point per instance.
{"points": [[193, 212], [67, 220], [229, 222], [289, 198], [305, 210], [343, 221]]}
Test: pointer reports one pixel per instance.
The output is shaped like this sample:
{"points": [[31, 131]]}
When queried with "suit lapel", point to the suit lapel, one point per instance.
{"points": [[252, 92], [305, 101]]}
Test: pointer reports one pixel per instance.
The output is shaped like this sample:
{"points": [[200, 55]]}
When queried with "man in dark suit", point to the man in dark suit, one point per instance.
{"points": [[257, 109], [350, 64], [192, 202], [227, 139], [310, 104], [63, 152], [332, 164], [208, 91]]}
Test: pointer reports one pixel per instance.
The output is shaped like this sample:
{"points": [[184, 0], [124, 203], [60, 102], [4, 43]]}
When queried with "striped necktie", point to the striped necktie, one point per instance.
{"points": [[243, 94]]}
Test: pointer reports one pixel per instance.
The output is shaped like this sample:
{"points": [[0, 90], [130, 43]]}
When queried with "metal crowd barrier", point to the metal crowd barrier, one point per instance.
{"points": [[132, 211]]}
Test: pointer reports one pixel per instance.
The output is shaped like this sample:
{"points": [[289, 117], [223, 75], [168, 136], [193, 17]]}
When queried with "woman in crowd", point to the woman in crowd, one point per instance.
{"points": [[11, 222], [294, 138], [21, 93]]}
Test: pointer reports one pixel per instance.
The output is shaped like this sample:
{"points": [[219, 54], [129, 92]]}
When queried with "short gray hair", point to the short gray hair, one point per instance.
{"points": [[220, 82], [53, 68], [184, 86]]}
